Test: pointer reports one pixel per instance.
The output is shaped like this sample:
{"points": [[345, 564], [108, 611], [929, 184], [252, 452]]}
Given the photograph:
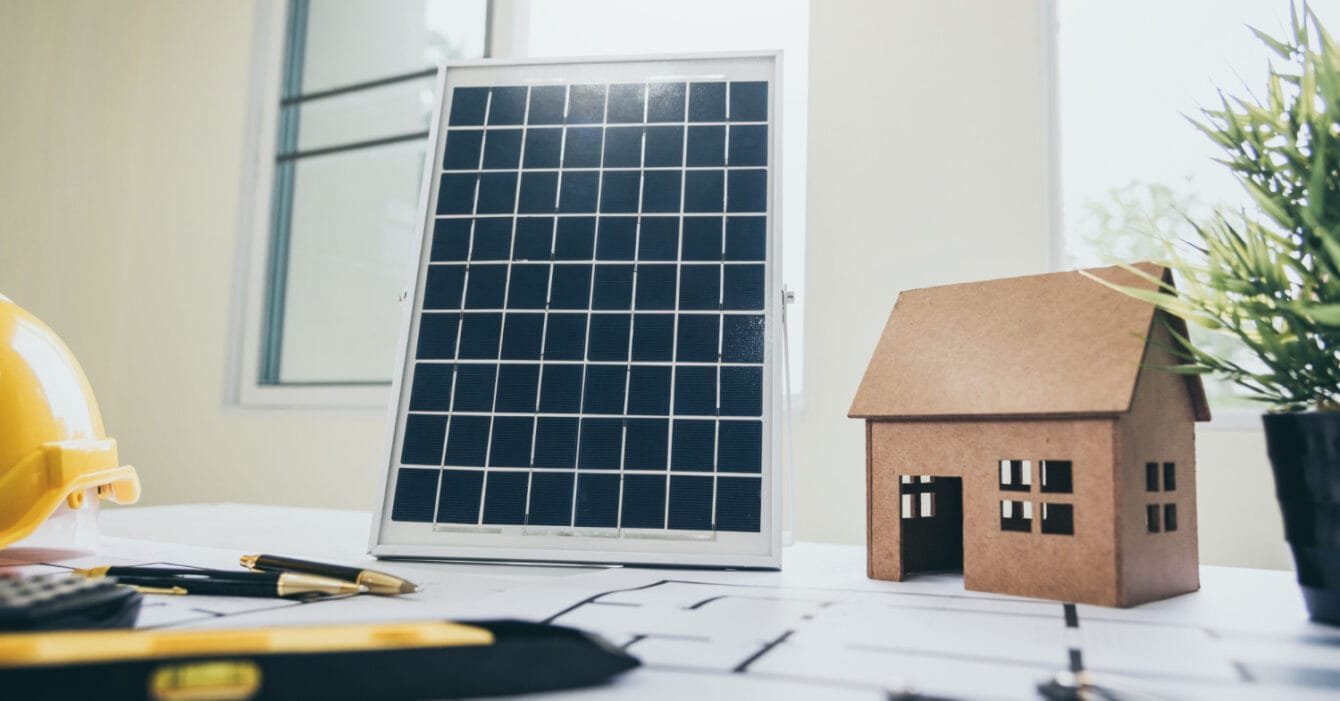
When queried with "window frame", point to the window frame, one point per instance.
{"points": [[255, 236]]}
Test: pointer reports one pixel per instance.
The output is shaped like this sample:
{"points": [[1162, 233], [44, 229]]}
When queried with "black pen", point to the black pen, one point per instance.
{"points": [[227, 583], [376, 582]]}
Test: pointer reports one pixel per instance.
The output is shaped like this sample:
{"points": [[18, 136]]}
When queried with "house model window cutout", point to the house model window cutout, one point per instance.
{"points": [[1021, 431]]}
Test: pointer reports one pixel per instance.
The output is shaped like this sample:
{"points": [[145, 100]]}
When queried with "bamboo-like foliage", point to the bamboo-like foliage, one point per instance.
{"points": [[1272, 281]]}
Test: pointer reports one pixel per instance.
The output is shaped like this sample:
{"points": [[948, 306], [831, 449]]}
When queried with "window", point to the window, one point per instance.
{"points": [[1165, 520], [1134, 174], [1152, 518], [1058, 519], [918, 501], [1016, 475], [1169, 517], [345, 108], [1016, 516], [1169, 476], [1056, 477], [1151, 477]]}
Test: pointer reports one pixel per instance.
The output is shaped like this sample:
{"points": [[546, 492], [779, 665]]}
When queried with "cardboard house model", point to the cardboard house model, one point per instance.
{"points": [[1022, 432]]}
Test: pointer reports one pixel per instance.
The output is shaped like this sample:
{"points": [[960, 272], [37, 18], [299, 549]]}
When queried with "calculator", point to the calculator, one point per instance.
{"points": [[65, 602]]}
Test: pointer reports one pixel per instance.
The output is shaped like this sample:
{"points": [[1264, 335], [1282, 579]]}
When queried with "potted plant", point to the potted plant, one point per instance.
{"points": [[1273, 281]]}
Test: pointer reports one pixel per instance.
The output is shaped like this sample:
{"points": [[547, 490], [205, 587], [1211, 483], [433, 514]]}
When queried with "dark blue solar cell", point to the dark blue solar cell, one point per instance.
{"points": [[566, 337], [508, 105], [623, 147], [741, 391], [627, 103], [601, 444], [571, 287], [700, 287], [653, 337], [577, 192], [748, 191], [521, 336], [480, 334], [604, 392], [694, 443], [597, 501], [555, 440], [586, 104], [656, 286], [437, 336], [534, 238], [425, 434], [539, 193], [707, 146], [609, 337], [748, 145], [458, 496], [665, 102], [502, 149], [696, 391], [546, 104], [444, 286], [643, 501], [493, 239], [415, 495], [463, 148], [456, 193], [467, 441], [746, 238], [451, 240], [742, 338], [658, 238], [575, 239], [703, 191], [743, 287], [497, 193], [510, 444], [474, 387], [660, 190], [432, 387], [690, 504], [749, 102], [550, 499], [619, 191], [649, 390], [740, 446], [616, 238], [528, 287], [613, 287], [543, 147], [561, 390], [518, 386], [698, 338], [702, 238], [707, 102], [505, 498], [581, 149], [664, 147], [485, 286], [646, 444], [739, 504], [468, 106]]}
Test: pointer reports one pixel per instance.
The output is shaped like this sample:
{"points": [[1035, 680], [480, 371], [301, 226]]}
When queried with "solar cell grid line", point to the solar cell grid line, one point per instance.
{"points": [[502, 325]]}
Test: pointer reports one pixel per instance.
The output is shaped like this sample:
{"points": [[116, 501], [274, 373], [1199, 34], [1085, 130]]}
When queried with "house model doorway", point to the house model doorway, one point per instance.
{"points": [[932, 513]]}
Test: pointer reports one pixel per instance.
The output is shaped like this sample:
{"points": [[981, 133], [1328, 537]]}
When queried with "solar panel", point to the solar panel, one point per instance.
{"points": [[587, 369]]}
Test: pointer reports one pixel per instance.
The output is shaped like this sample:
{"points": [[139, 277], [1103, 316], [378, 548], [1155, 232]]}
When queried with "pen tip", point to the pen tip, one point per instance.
{"points": [[408, 588]]}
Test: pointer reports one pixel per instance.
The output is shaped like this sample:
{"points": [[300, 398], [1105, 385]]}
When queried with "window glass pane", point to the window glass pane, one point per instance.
{"points": [[390, 110], [619, 27], [353, 41], [1133, 169]]}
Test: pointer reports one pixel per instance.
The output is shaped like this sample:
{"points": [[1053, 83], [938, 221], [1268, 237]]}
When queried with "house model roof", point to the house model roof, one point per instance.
{"points": [[1050, 345]]}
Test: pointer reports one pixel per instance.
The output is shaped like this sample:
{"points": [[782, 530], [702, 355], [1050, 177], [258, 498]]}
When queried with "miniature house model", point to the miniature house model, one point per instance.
{"points": [[1022, 431]]}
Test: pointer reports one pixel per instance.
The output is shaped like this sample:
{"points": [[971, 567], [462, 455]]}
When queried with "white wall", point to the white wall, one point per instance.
{"points": [[121, 134]]}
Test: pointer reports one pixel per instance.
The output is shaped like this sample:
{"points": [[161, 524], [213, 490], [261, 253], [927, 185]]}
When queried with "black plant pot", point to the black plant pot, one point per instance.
{"points": [[1305, 455]]}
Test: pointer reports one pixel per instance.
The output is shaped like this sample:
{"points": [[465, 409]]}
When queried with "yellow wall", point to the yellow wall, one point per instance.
{"points": [[121, 138]]}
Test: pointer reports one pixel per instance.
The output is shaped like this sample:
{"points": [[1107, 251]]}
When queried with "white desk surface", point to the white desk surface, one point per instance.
{"points": [[817, 629]]}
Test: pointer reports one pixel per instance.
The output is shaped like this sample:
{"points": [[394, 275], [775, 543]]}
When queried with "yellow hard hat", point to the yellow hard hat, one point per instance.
{"points": [[52, 444]]}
